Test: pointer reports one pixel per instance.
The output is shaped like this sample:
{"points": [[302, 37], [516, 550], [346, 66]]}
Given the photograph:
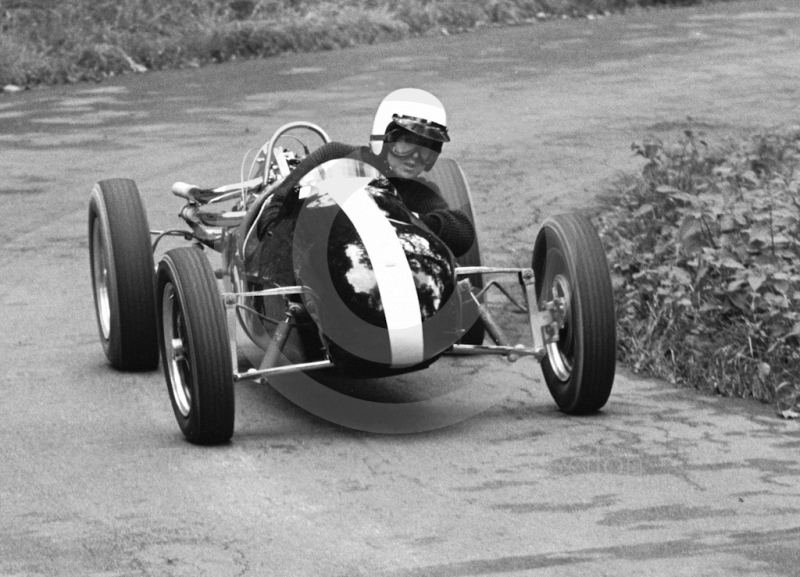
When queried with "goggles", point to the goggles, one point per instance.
{"points": [[405, 145]]}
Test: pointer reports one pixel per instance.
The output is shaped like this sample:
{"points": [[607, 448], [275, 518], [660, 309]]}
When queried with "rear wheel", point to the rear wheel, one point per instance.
{"points": [[569, 263], [193, 337], [454, 188], [122, 269]]}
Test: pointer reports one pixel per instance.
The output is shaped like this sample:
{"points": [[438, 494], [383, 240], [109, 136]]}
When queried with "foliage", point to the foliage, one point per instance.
{"points": [[704, 248], [52, 41]]}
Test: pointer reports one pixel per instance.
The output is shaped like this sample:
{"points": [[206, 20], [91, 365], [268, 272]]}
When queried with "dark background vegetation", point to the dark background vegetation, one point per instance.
{"points": [[57, 41]]}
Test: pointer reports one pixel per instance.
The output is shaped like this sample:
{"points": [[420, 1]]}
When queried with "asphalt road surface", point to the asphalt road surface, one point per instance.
{"points": [[98, 481]]}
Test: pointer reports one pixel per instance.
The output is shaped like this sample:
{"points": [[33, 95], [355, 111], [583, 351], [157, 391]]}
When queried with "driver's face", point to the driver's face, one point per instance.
{"points": [[407, 166]]}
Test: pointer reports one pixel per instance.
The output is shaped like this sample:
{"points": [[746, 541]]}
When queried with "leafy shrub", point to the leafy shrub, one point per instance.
{"points": [[704, 248]]}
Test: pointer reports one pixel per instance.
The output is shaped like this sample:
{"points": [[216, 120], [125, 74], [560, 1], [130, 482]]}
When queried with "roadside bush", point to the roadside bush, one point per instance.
{"points": [[22, 64], [704, 248], [51, 41]]}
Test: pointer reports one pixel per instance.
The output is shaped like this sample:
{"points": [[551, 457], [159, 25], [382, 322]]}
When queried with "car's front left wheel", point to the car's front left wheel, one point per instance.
{"points": [[570, 266]]}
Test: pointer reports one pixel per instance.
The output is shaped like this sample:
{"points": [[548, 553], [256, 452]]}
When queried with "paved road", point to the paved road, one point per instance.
{"points": [[96, 479]]}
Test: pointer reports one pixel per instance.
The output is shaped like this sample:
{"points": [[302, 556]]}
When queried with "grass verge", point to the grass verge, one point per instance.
{"points": [[704, 249], [57, 41]]}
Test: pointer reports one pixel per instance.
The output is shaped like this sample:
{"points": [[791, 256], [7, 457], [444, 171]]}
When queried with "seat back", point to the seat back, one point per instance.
{"points": [[452, 183]]}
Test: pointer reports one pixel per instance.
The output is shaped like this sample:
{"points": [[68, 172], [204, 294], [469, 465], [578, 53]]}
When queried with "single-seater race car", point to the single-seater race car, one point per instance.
{"points": [[343, 278]]}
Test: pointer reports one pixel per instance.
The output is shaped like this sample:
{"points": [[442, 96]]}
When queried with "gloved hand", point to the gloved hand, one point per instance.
{"points": [[433, 221]]}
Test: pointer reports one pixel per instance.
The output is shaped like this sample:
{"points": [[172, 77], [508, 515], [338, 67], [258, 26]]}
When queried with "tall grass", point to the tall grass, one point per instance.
{"points": [[55, 41]]}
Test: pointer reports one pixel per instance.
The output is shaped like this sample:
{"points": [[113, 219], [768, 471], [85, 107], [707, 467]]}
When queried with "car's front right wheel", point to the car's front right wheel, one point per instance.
{"points": [[195, 350]]}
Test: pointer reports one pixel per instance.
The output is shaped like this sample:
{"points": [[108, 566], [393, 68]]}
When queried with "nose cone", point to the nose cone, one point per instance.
{"points": [[354, 276], [384, 285]]}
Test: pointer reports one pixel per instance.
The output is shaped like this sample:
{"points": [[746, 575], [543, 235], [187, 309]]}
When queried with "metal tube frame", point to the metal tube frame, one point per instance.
{"points": [[269, 366], [546, 319], [285, 370]]}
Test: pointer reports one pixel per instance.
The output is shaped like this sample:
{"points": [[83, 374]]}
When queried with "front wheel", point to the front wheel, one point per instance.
{"points": [[193, 337], [569, 263]]}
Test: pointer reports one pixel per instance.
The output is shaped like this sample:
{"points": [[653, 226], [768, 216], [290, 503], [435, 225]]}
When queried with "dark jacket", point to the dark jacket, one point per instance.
{"points": [[424, 197]]}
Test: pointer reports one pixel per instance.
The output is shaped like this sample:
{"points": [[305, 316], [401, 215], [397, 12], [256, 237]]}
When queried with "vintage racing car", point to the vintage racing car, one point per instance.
{"points": [[373, 291]]}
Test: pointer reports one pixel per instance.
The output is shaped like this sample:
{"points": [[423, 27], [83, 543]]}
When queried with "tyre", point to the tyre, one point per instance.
{"points": [[193, 337], [121, 259], [569, 261], [454, 188]]}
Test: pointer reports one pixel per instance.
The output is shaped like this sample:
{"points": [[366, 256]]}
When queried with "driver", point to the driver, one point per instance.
{"points": [[408, 132]]}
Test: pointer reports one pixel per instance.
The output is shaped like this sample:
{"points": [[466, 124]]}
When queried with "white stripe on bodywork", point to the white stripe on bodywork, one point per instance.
{"points": [[339, 168], [395, 281]]}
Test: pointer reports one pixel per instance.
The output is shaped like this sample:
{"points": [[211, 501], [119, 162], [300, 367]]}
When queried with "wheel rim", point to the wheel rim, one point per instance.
{"points": [[176, 355], [561, 354], [100, 277]]}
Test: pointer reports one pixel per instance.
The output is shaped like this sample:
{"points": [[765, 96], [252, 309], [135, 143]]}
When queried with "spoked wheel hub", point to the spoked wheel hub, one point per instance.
{"points": [[562, 352], [100, 267], [176, 358]]}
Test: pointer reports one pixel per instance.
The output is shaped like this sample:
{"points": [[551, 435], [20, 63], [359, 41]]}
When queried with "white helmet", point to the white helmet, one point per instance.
{"points": [[414, 110]]}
